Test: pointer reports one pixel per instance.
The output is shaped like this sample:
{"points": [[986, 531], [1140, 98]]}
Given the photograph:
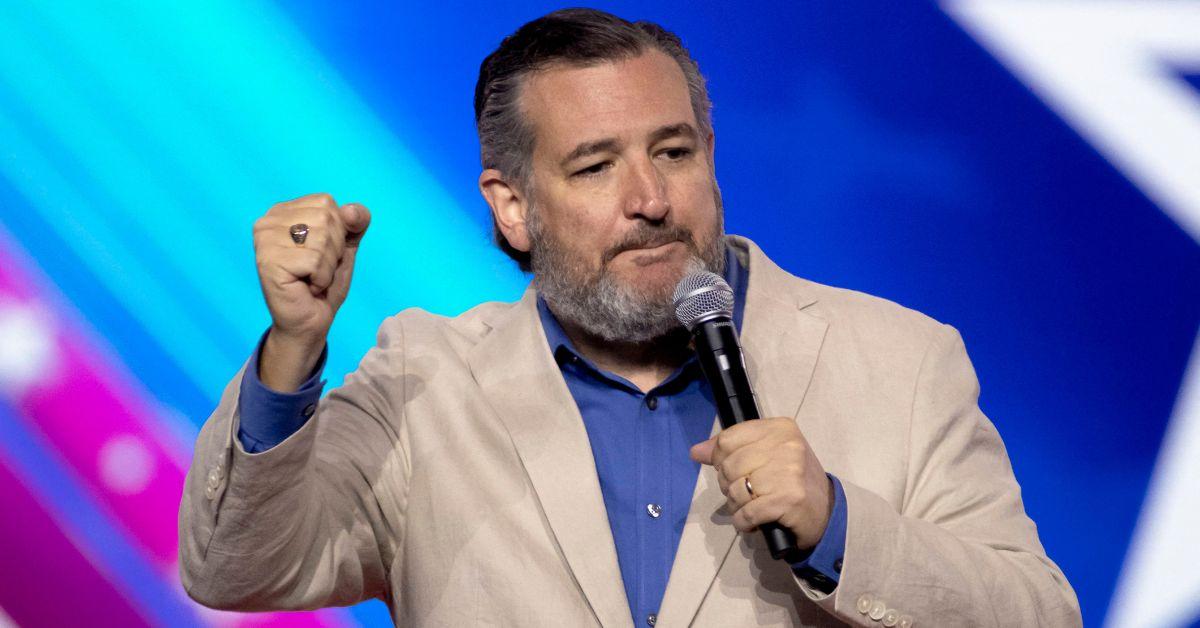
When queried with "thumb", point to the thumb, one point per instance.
{"points": [[702, 452], [357, 219]]}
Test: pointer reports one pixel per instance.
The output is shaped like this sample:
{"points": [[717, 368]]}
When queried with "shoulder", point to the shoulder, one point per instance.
{"points": [[417, 329], [851, 315], [872, 317]]}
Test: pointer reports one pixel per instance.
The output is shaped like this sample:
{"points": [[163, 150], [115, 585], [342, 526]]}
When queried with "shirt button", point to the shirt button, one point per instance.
{"points": [[309, 410], [654, 510], [891, 617], [877, 610], [652, 403], [837, 565], [864, 603], [651, 619]]}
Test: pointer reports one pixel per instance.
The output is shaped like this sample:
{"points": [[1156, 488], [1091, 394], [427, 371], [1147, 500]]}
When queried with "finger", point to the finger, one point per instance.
{"points": [[356, 218], [757, 512], [322, 277], [324, 227], [734, 497], [702, 452], [747, 459], [285, 265], [315, 266], [748, 431]]}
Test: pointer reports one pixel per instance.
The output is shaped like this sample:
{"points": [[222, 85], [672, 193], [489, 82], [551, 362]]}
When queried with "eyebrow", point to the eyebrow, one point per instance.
{"points": [[682, 129]]}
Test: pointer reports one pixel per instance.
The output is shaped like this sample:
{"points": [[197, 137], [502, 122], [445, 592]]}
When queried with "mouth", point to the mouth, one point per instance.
{"points": [[653, 253]]}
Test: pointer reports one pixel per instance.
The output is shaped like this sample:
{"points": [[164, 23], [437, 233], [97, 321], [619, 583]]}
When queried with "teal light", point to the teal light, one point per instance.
{"points": [[151, 135]]}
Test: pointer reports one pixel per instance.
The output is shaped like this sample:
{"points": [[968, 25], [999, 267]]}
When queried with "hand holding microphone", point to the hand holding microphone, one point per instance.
{"points": [[766, 469]]}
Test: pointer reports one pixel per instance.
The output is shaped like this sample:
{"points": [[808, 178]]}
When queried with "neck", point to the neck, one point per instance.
{"points": [[646, 364]]}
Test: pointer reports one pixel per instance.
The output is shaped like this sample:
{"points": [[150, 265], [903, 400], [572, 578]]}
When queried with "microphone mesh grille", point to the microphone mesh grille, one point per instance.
{"points": [[700, 295]]}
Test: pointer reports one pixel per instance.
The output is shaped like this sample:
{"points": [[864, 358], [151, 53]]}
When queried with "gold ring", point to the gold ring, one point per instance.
{"points": [[749, 488]]}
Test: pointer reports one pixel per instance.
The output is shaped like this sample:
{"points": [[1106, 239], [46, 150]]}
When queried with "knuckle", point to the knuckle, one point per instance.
{"points": [[323, 198]]}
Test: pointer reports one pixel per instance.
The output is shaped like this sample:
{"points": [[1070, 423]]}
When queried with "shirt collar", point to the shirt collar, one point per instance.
{"points": [[736, 275]]}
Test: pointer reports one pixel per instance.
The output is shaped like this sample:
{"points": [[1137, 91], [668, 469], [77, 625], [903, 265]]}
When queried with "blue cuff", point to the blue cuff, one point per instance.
{"points": [[268, 416], [823, 566]]}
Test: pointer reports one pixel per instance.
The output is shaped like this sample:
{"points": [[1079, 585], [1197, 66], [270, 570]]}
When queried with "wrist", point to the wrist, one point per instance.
{"points": [[287, 359]]}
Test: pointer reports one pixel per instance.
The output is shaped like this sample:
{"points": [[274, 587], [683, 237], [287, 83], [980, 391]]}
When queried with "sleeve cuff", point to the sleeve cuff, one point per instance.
{"points": [[268, 416], [823, 565]]}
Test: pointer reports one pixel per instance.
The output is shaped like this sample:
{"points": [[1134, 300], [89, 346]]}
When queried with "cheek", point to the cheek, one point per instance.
{"points": [[695, 201]]}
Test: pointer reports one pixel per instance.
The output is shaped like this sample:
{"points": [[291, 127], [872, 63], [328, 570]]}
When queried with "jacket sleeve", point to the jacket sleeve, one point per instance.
{"points": [[960, 550], [314, 521]]}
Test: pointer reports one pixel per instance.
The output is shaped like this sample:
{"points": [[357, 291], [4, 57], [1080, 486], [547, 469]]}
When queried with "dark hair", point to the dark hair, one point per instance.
{"points": [[580, 37]]}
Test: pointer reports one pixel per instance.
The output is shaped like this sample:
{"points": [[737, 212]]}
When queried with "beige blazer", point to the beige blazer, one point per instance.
{"points": [[451, 477]]}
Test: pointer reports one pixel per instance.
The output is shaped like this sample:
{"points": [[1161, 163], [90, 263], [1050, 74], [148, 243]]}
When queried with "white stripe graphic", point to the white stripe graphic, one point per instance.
{"points": [[1111, 69]]}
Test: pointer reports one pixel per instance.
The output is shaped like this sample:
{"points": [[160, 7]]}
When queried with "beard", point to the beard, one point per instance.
{"points": [[598, 301]]}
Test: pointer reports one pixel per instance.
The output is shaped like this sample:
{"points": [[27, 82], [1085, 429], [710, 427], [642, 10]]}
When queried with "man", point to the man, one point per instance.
{"points": [[553, 461]]}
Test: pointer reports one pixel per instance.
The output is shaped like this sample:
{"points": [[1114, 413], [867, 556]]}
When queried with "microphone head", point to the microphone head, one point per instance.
{"points": [[701, 296]]}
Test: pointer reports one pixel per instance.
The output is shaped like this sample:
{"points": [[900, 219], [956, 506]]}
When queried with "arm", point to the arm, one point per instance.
{"points": [[961, 550], [269, 416], [301, 525]]}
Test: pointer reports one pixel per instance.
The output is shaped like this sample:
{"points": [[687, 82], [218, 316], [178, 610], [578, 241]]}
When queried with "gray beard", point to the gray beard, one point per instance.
{"points": [[598, 302]]}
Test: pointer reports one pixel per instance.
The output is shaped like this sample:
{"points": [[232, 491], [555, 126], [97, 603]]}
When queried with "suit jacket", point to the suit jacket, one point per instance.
{"points": [[451, 476]]}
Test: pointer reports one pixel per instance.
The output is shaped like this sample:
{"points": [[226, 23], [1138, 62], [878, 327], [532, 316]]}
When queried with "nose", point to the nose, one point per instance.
{"points": [[646, 192]]}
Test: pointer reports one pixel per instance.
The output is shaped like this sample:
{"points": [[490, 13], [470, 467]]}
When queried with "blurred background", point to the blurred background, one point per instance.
{"points": [[1028, 172]]}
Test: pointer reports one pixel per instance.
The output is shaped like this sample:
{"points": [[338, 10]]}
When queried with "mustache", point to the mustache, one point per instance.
{"points": [[646, 237]]}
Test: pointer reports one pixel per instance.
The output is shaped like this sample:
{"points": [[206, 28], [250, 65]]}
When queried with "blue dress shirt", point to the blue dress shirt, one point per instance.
{"points": [[640, 443]]}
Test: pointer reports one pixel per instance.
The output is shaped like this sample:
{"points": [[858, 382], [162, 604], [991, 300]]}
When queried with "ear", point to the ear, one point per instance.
{"points": [[508, 207]]}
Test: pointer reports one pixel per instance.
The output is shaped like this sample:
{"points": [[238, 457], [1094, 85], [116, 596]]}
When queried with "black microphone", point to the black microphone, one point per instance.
{"points": [[704, 305]]}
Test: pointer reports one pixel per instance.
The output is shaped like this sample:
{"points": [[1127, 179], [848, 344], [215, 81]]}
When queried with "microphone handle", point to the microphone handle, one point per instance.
{"points": [[724, 367]]}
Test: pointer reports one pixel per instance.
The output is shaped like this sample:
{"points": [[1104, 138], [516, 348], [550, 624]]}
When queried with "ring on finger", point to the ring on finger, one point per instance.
{"points": [[299, 232], [750, 488]]}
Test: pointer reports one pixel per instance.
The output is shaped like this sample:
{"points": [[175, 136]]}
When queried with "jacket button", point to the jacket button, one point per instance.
{"points": [[210, 492], [891, 617], [905, 621], [864, 603], [214, 478], [877, 610]]}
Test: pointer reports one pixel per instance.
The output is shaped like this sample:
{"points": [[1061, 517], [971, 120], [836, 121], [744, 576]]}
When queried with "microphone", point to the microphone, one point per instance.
{"points": [[704, 305]]}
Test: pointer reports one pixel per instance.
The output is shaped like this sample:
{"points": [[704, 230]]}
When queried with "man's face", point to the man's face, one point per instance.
{"points": [[623, 198]]}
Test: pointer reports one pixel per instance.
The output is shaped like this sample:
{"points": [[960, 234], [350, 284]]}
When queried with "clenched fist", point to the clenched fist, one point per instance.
{"points": [[304, 284]]}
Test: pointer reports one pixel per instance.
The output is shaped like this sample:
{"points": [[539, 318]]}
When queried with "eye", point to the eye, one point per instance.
{"points": [[677, 154], [593, 169]]}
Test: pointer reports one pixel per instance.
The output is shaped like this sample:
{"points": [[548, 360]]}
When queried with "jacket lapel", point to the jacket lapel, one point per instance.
{"points": [[781, 343], [519, 377]]}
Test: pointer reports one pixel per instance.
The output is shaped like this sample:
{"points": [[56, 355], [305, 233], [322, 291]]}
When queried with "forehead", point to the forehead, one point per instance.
{"points": [[567, 105]]}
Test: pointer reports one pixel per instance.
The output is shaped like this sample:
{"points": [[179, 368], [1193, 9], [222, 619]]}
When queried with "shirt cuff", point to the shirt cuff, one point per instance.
{"points": [[823, 565], [268, 416]]}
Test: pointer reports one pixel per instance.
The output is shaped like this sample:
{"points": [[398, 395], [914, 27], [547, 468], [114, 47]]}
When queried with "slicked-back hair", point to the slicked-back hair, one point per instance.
{"points": [[575, 37]]}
